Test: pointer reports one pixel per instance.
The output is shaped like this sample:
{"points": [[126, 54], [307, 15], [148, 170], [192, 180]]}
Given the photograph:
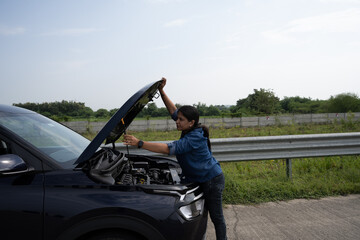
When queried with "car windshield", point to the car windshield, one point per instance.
{"points": [[53, 139]]}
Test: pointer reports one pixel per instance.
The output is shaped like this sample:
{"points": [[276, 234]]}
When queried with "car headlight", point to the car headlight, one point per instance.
{"points": [[192, 210]]}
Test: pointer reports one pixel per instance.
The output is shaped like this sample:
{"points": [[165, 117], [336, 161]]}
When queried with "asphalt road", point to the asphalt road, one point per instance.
{"points": [[327, 218]]}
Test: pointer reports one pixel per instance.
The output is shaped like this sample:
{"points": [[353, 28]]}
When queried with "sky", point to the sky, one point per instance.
{"points": [[212, 52]]}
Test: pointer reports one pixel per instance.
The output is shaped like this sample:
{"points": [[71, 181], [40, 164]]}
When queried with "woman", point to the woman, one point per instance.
{"points": [[193, 152]]}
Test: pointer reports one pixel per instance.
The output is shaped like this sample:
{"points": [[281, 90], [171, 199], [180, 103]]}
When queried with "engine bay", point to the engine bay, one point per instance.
{"points": [[110, 166]]}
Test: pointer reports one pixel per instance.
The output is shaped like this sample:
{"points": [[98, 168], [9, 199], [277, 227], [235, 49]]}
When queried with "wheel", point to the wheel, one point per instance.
{"points": [[114, 235]]}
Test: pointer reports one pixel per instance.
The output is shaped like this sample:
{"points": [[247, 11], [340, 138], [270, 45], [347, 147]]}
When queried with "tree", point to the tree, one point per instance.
{"points": [[296, 104], [260, 102], [102, 113], [201, 107], [86, 112], [150, 110], [344, 102], [61, 109], [264, 101], [163, 112], [212, 111], [113, 111]]}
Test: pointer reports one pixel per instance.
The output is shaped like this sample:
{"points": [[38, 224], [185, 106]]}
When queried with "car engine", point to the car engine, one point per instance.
{"points": [[110, 166]]}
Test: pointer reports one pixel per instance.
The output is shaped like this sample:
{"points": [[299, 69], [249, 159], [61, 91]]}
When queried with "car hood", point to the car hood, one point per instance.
{"points": [[118, 123]]}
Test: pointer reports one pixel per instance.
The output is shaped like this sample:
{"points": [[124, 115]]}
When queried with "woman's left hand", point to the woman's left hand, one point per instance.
{"points": [[130, 140]]}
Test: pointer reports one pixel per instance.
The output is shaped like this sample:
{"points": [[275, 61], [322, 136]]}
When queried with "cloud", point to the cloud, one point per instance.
{"points": [[336, 22], [7, 31], [76, 64], [60, 68], [234, 37], [340, 1], [279, 36], [165, 1], [176, 23], [72, 32], [161, 47], [355, 43]]}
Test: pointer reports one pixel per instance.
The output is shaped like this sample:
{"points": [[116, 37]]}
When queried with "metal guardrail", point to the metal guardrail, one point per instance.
{"points": [[284, 147], [277, 147]]}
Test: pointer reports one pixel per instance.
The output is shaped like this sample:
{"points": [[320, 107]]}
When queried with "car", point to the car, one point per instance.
{"points": [[56, 184]]}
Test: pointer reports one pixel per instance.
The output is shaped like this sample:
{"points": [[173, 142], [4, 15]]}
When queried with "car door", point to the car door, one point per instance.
{"points": [[21, 195]]}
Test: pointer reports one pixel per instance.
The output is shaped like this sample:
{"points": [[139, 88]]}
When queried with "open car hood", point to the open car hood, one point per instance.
{"points": [[121, 120]]}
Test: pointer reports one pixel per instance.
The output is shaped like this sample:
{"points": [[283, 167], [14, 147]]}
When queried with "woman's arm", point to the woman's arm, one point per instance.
{"points": [[150, 146], [156, 147], [170, 106]]}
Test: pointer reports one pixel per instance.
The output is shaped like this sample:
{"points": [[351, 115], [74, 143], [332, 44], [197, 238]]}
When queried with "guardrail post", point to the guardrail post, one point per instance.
{"points": [[288, 168]]}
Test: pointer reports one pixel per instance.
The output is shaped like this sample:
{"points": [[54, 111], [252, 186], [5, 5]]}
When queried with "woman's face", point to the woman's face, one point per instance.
{"points": [[182, 123]]}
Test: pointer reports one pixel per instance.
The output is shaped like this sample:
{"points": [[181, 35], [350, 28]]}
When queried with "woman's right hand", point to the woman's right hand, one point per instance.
{"points": [[170, 106], [162, 85]]}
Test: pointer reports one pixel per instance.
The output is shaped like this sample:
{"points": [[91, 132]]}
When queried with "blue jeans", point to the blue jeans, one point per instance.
{"points": [[213, 201]]}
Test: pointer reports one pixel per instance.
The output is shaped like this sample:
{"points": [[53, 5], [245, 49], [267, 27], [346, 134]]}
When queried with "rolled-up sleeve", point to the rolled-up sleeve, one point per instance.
{"points": [[181, 146], [172, 147], [174, 115]]}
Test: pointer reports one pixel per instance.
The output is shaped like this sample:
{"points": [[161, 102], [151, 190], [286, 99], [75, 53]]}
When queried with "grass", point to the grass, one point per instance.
{"points": [[253, 182], [264, 181], [151, 135]]}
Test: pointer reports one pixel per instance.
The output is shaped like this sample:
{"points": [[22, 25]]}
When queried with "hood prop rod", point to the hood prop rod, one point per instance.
{"points": [[127, 146]]}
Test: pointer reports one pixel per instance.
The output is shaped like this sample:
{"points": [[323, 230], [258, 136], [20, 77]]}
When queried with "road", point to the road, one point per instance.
{"points": [[327, 218]]}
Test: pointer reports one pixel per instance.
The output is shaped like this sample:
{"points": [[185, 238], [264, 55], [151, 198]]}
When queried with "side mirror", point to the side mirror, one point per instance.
{"points": [[12, 164]]}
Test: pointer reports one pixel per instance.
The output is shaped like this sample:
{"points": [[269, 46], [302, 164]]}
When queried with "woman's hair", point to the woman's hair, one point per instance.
{"points": [[191, 113]]}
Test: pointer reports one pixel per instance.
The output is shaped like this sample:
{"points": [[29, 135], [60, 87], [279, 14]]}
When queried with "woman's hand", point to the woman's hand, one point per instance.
{"points": [[170, 106], [130, 140], [150, 146], [162, 85]]}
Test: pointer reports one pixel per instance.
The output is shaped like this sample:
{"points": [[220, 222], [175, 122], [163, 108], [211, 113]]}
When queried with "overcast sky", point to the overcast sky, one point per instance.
{"points": [[211, 51]]}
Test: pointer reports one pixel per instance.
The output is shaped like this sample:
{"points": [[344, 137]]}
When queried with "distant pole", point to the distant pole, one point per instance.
{"points": [[288, 168]]}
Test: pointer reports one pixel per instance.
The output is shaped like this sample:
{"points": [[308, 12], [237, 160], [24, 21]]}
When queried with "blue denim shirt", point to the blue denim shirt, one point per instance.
{"points": [[194, 156]]}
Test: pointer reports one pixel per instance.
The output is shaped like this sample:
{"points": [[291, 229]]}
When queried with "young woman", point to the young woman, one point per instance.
{"points": [[193, 152]]}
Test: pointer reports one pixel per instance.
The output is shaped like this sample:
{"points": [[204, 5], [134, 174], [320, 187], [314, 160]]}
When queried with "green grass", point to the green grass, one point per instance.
{"points": [[255, 182], [221, 132], [264, 181]]}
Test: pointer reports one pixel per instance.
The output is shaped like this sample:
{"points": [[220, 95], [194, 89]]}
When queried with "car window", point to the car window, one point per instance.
{"points": [[53, 139], [4, 148]]}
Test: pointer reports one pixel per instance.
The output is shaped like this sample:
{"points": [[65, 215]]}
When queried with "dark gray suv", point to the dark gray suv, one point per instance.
{"points": [[56, 184]]}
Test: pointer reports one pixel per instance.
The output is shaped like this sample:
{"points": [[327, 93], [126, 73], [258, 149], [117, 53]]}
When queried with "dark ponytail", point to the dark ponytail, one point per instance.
{"points": [[191, 113], [206, 134]]}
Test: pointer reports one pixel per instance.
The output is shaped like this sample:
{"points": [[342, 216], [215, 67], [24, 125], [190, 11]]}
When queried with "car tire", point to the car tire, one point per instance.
{"points": [[115, 235]]}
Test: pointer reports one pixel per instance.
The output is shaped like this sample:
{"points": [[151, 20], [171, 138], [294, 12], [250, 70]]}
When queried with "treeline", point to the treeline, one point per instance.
{"points": [[66, 110], [261, 102], [264, 102]]}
